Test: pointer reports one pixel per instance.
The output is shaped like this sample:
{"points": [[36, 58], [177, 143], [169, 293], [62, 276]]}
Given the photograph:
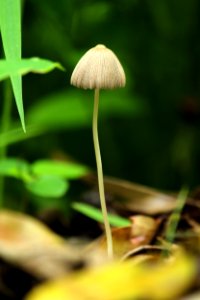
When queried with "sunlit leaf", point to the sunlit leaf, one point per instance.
{"points": [[67, 170], [14, 167], [48, 186], [24, 66], [166, 280], [10, 25]]}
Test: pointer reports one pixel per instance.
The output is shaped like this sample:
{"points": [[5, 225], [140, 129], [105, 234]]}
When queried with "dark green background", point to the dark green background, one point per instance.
{"points": [[156, 142]]}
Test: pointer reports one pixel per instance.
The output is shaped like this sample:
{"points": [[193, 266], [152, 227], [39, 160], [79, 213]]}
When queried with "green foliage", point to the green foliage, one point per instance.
{"points": [[148, 130], [62, 169], [61, 110], [48, 186], [73, 109], [96, 215], [44, 178], [14, 66], [10, 68], [16, 135], [14, 167], [10, 25], [157, 43]]}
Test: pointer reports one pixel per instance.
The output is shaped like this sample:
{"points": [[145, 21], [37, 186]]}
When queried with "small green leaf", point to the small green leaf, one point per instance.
{"points": [[58, 168], [48, 186], [14, 167], [96, 214], [21, 67]]}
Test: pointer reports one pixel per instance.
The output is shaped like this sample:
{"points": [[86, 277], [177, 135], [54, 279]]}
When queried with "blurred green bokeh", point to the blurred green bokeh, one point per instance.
{"points": [[149, 131]]}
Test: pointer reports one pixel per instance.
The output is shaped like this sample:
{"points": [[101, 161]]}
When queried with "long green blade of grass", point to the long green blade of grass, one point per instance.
{"points": [[10, 25]]}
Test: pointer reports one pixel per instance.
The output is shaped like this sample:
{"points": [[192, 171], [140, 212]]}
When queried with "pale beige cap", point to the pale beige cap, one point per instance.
{"points": [[99, 68]]}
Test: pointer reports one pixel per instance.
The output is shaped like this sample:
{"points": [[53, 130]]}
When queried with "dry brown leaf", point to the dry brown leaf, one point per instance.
{"points": [[194, 296], [139, 198], [141, 232], [135, 197], [29, 244], [190, 236], [145, 253]]}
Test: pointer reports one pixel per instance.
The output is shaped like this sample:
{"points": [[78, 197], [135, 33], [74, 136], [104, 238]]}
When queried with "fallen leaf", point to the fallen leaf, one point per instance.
{"points": [[135, 197], [29, 244], [125, 239], [166, 280]]}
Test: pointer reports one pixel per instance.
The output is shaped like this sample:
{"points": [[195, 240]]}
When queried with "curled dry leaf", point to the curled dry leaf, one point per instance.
{"points": [[117, 281], [143, 229], [145, 254], [29, 244], [141, 232]]}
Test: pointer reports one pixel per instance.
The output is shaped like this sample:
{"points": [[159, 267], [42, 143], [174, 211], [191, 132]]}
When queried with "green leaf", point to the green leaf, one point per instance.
{"points": [[17, 135], [96, 214], [63, 169], [24, 66], [10, 25], [48, 186], [73, 108], [14, 167], [48, 203], [66, 109]]}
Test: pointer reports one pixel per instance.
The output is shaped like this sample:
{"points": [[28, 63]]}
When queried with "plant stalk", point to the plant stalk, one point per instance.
{"points": [[6, 115], [100, 175], [176, 214]]}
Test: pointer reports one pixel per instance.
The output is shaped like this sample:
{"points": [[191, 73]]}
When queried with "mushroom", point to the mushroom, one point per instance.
{"points": [[99, 68]]}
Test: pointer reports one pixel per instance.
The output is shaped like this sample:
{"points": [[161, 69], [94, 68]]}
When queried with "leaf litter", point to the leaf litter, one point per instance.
{"points": [[152, 258]]}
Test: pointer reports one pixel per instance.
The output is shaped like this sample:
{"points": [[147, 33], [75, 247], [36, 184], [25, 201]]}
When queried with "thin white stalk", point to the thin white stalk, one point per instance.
{"points": [[100, 175]]}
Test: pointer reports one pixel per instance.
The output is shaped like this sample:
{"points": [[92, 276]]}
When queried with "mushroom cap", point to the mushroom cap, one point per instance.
{"points": [[98, 68]]}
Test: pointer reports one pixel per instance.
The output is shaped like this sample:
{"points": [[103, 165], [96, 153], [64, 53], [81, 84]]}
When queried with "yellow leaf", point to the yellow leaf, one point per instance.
{"points": [[117, 281]]}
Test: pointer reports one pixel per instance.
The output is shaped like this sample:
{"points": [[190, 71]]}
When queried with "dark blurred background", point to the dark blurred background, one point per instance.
{"points": [[149, 131]]}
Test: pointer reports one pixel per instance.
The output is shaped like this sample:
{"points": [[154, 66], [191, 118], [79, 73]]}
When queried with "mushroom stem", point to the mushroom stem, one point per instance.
{"points": [[100, 175]]}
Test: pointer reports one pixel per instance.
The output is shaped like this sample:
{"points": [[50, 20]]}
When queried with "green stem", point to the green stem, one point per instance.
{"points": [[6, 114], [100, 175]]}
